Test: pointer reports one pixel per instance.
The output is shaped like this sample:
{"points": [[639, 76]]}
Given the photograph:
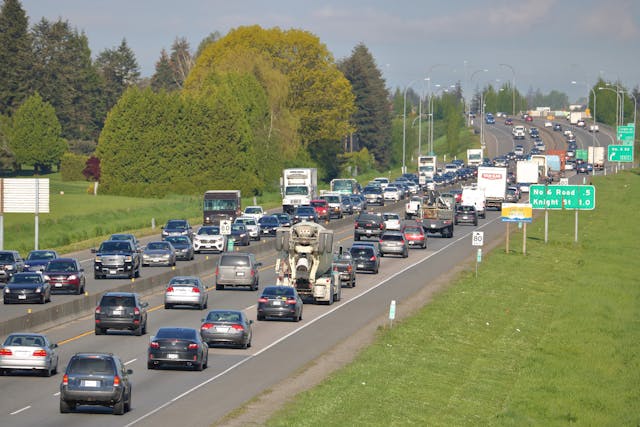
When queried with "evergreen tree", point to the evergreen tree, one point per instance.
{"points": [[15, 56], [371, 119], [163, 77], [180, 60], [65, 76], [119, 70], [35, 135]]}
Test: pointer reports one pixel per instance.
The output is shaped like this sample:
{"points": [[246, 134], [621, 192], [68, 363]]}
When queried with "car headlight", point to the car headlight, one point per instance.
{"points": [[98, 258], [128, 258], [9, 267], [72, 277], [6, 290], [38, 290]]}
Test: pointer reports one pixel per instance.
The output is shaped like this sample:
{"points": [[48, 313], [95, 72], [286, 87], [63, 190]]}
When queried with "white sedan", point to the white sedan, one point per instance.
{"points": [[392, 221], [254, 211], [392, 193]]}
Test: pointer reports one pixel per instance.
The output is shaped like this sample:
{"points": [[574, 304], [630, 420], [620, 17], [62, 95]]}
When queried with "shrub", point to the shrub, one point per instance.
{"points": [[71, 166]]}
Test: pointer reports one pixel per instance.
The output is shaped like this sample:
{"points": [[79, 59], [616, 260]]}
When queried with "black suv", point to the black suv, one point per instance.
{"points": [[96, 379], [116, 258], [177, 227], [121, 310], [10, 263], [368, 225], [466, 214]]}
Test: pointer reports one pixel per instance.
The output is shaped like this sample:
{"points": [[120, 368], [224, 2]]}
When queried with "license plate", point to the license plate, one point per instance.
{"points": [[222, 329], [172, 356], [157, 260], [368, 231], [433, 226], [22, 297], [360, 265], [90, 383], [239, 273], [277, 303], [58, 285], [117, 312], [112, 271], [411, 242]]}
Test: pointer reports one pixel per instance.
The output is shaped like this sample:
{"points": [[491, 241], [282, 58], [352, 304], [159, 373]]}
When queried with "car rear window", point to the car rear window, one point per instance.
{"points": [[117, 301], [94, 365], [183, 281], [224, 316], [234, 261], [412, 230], [369, 217], [361, 251], [189, 334], [392, 237], [278, 291]]}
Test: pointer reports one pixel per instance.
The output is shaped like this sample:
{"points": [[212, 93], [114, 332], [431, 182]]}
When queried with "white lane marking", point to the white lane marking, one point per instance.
{"points": [[311, 322], [56, 394], [20, 410], [130, 361]]}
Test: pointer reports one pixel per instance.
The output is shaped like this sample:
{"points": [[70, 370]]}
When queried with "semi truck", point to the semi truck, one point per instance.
{"points": [[595, 156], [304, 261], [221, 205], [556, 160], [493, 181], [298, 187], [474, 156], [427, 168]]}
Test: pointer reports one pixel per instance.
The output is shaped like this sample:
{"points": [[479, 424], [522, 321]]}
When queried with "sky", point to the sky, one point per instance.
{"points": [[543, 44]]}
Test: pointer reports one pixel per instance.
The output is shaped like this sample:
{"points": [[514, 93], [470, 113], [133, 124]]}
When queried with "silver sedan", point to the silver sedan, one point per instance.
{"points": [[159, 253], [28, 351], [186, 290]]}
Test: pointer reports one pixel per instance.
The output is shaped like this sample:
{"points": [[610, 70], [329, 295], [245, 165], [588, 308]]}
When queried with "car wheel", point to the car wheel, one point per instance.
{"points": [[151, 365], [118, 408], [66, 407], [260, 317], [219, 287], [167, 306], [144, 328], [356, 238], [99, 331], [138, 331], [137, 272], [206, 360], [375, 271], [43, 299], [200, 366], [405, 254], [47, 372], [475, 222], [127, 404], [48, 297], [80, 290]]}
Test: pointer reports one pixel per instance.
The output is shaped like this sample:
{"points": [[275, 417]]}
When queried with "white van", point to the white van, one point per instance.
{"points": [[474, 196]]}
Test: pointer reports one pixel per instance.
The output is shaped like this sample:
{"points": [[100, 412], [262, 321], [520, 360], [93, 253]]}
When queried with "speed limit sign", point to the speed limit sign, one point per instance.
{"points": [[225, 227], [477, 238]]}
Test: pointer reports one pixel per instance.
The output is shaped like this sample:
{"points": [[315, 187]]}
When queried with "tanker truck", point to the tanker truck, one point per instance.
{"points": [[305, 256]]}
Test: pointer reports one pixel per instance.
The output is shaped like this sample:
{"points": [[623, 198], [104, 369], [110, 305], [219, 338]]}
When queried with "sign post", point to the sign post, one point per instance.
{"points": [[477, 239], [392, 312]]}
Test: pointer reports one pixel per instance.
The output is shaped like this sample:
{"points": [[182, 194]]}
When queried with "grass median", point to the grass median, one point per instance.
{"points": [[547, 338]]}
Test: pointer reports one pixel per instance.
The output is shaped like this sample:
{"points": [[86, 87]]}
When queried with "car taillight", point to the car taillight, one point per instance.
{"points": [[335, 268], [381, 225], [5, 352], [262, 299], [154, 344], [40, 353], [65, 379], [373, 258], [349, 268], [291, 301], [193, 346], [217, 271], [116, 381], [237, 327], [253, 273], [98, 310], [356, 225], [196, 290], [206, 326], [136, 311], [170, 289]]}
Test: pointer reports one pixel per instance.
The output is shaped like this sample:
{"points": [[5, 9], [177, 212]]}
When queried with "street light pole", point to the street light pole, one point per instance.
{"points": [[404, 128], [513, 89]]}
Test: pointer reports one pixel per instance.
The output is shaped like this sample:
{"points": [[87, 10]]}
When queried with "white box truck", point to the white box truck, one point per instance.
{"points": [[474, 156], [427, 168], [298, 187], [494, 183], [595, 156]]}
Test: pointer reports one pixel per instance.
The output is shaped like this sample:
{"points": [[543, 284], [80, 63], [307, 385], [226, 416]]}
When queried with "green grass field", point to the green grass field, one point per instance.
{"points": [[547, 339]]}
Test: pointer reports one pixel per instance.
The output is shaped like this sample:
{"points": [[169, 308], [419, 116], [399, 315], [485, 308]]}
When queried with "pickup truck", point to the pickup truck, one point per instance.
{"points": [[412, 208], [594, 128], [116, 258]]}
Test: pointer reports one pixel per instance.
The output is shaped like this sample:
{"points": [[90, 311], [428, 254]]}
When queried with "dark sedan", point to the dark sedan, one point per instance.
{"points": [[177, 347], [239, 234], [280, 301], [65, 274], [183, 247], [284, 219], [37, 260], [305, 213], [268, 225], [27, 287], [226, 327]]}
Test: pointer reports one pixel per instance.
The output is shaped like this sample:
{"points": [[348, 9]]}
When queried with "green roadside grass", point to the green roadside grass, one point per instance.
{"points": [[550, 338]]}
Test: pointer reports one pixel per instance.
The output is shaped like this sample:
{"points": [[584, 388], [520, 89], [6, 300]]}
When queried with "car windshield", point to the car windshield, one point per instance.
{"points": [[5, 256], [209, 231], [269, 220], [224, 316], [246, 221], [238, 227], [296, 190], [181, 240], [155, 246], [180, 333], [61, 266], [177, 225], [331, 199], [115, 246], [253, 210], [278, 291], [41, 255]]}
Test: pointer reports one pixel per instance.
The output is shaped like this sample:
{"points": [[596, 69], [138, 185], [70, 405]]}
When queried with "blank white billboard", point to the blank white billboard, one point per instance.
{"points": [[19, 195]]}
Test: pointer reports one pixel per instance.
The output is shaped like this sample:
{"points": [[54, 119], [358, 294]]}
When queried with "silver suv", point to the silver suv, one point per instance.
{"points": [[237, 269]]}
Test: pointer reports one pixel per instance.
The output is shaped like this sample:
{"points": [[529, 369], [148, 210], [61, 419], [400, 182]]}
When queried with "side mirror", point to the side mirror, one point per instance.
{"points": [[54, 345], [202, 320], [129, 371], [251, 322], [81, 270], [258, 264], [144, 304], [94, 250]]}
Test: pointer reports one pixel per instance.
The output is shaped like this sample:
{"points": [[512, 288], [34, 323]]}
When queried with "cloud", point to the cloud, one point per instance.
{"points": [[613, 20]]}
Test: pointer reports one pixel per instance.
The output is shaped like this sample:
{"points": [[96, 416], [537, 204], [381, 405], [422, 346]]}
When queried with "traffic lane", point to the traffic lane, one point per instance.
{"points": [[321, 334], [133, 349]]}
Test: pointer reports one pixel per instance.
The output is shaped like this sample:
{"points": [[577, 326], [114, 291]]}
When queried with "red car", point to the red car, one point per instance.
{"points": [[415, 236], [322, 209], [65, 274], [528, 119]]}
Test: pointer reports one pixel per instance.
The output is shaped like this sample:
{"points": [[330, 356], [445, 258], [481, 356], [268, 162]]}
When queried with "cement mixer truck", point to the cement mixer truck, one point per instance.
{"points": [[305, 256]]}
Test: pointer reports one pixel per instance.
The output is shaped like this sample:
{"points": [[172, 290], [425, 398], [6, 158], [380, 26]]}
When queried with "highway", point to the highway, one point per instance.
{"points": [[280, 348]]}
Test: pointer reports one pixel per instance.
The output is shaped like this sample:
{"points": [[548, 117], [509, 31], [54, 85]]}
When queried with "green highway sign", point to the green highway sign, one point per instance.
{"points": [[582, 154], [626, 134], [581, 197], [620, 153]]}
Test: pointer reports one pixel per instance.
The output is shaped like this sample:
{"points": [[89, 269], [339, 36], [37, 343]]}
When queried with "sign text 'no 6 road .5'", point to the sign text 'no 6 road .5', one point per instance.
{"points": [[562, 197]]}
